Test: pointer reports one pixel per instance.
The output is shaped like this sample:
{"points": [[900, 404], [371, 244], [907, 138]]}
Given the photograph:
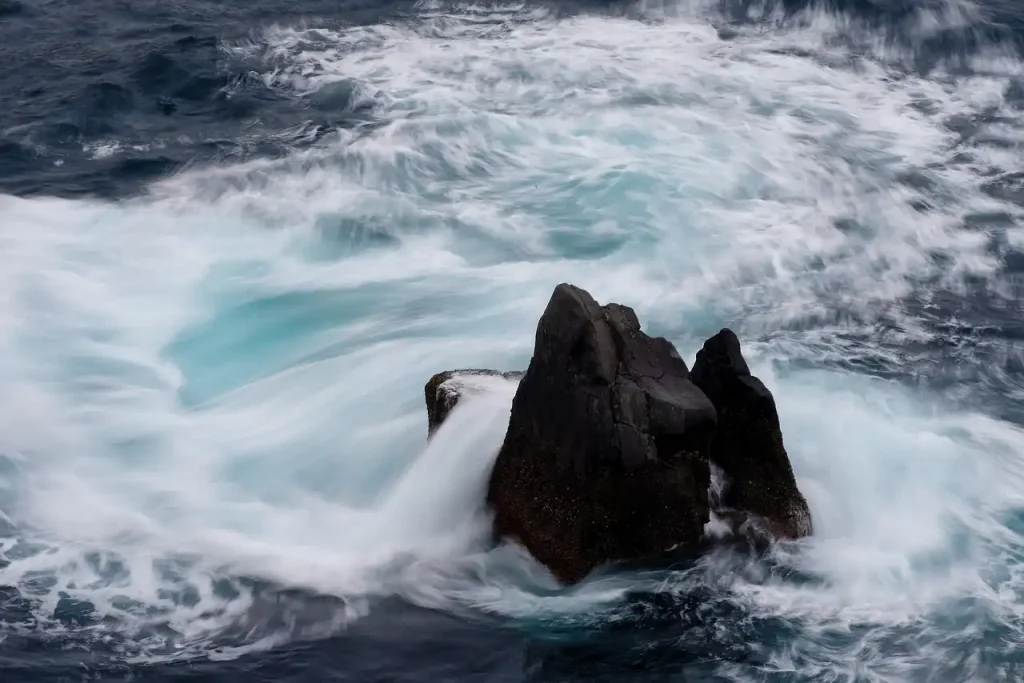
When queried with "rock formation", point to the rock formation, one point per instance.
{"points": [[747, 445], [605, 457], [610, 438], [444, 390]]}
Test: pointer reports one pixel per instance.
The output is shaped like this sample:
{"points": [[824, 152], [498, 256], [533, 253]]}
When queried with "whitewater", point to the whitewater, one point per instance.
{"points": [[211, 391]]}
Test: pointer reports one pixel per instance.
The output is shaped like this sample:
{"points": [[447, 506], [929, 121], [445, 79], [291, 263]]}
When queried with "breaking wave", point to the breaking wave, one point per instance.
{"points": [[212, 437]]}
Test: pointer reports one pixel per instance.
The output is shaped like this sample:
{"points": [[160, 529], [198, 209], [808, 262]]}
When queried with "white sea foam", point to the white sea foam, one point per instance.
{"points": [[224, 377]]}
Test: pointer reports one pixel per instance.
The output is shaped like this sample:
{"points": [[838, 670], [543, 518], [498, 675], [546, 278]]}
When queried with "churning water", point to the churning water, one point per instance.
{"points": [[236, 242]]}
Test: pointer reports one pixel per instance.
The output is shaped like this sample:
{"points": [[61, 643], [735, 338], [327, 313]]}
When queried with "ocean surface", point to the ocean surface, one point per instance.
{"points": [[237, 238]]}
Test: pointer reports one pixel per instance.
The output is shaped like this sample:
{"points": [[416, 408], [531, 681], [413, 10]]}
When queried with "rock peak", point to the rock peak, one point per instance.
{"points": [[606, 454], [748, 444], [611, 437]]}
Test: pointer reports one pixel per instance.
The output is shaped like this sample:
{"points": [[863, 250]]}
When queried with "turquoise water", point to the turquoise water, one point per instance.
{"points": [[215, 385]]}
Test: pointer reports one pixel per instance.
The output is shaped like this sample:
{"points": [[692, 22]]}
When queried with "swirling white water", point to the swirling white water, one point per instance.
{"points": [[222, 378]]}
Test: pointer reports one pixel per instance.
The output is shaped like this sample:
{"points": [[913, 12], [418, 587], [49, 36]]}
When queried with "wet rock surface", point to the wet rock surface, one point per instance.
{"points": [[445, 389], [747, 444], [605, 457], [610, 442]]}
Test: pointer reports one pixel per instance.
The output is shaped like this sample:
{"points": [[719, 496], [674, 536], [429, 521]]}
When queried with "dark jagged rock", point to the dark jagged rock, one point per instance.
{"points": [[747, 444], [606, 454], [610, 443], [445, 389]]}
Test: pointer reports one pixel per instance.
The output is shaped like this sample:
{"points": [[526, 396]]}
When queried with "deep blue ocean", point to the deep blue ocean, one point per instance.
{"points": [[237, 238]]}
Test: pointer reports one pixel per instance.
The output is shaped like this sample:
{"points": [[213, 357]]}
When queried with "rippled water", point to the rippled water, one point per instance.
{"points": [[235, 242]]}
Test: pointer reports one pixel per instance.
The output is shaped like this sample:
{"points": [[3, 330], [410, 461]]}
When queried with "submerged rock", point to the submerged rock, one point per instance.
{"points": [[747, 444], [606, 454], [445, 389]]}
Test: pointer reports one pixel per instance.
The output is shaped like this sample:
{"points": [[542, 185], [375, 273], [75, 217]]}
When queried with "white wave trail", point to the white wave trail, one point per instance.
{"points": [[223, 378]]}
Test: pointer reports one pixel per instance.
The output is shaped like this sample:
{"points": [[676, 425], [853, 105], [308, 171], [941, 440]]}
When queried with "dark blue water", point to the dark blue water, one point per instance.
{"points": [[146, 72], [237, 237]]}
